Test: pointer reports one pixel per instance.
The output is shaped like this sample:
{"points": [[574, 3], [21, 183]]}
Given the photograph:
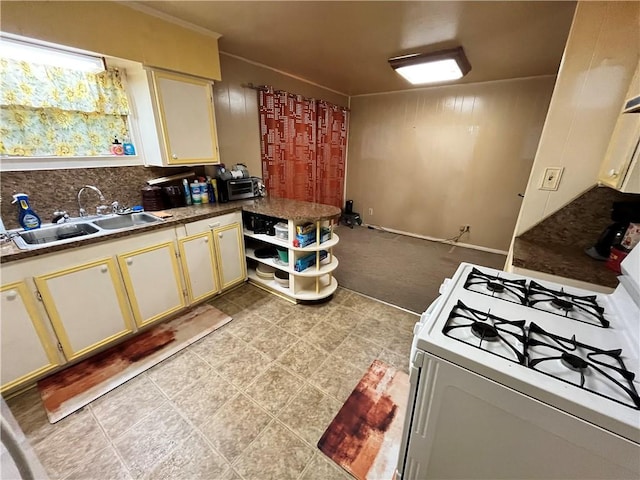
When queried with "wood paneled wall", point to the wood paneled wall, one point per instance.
{"points": [[430, 160]]}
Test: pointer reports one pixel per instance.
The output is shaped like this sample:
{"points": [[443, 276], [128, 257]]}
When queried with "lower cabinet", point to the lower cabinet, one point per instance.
{"points": [[152, 279], [229, 246], [87, 306], [199, 266], [27, 350]]}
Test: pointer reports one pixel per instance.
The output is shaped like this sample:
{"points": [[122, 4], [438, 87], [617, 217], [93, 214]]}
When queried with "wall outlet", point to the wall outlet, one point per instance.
{"points": [[551, 178], [371, 212]]}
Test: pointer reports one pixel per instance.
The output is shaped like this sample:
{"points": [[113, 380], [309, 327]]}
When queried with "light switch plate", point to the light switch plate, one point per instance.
{"points": [[551, 178]]}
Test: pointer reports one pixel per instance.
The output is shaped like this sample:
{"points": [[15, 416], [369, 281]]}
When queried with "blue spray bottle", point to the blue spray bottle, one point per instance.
{"points": [[27, 217]]}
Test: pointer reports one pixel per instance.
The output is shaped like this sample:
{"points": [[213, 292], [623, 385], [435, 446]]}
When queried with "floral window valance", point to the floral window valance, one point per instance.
{"points": [[52, 111]]}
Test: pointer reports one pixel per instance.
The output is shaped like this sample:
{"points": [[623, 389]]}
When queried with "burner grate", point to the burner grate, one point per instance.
{"points": [[504, 338], [583, 308], [599, 371], [514, 291]]}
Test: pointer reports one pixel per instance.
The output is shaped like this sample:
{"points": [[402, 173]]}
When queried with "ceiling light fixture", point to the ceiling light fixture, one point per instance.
{"points": [[44, 55], [441, 66]]}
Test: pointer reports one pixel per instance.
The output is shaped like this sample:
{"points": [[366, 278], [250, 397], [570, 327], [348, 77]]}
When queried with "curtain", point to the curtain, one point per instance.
{"points": [[303, 147], [47, 110]]}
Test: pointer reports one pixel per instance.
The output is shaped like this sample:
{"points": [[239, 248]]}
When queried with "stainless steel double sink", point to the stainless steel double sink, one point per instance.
{"points": [[85, 227]]}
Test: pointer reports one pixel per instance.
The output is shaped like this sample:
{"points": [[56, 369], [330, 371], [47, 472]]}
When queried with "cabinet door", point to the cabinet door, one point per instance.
{"points": [[198, 265], [27, 350], [152, 279], [87, 306], [187, 119], [230, 255]]}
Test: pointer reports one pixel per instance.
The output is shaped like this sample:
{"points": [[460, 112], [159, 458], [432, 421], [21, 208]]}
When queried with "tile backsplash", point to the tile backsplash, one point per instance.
{"points": [[51, 190]]}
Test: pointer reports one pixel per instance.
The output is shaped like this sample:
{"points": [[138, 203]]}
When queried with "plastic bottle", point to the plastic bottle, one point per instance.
{"points": [[195, 193], [128, 147], [212, 193], [187, 191], [26, 216], [116, 147]]}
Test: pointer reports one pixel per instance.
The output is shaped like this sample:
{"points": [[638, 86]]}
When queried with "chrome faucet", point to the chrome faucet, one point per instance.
{"points": [[100, 210]]}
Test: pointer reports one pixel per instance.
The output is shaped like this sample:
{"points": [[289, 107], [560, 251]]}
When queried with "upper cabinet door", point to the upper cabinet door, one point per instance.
{"points": [[621, 166], [186, 118]]}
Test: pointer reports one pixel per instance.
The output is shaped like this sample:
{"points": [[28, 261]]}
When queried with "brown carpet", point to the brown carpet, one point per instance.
{"points": [[401, 270], [71, 389], [364, 437]]}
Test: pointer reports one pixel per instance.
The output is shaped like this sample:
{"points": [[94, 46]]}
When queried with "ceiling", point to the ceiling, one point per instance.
{"points": [[345, 45]]}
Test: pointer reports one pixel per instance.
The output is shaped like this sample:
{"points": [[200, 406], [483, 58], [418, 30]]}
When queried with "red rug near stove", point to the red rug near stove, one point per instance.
{"points": [[364, 437]]}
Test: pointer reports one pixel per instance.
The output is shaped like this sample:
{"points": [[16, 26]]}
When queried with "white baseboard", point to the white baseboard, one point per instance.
{"points": [[440, 240]]}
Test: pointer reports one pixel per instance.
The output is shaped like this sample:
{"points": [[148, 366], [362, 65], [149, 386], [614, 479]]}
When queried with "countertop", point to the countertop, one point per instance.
{"points": [[274, 207], [564, 261]]}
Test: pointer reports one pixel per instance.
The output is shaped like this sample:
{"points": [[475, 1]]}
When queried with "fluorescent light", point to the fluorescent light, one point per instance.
{"points": [[29, 52], [436, 67]]}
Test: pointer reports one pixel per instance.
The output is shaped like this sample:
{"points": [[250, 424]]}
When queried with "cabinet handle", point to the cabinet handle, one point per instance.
{"points": [[104, 269], [206, 240], [220, 235], [612, 173], [174, 156], [214, 225], [129, 261], [11, 295]]}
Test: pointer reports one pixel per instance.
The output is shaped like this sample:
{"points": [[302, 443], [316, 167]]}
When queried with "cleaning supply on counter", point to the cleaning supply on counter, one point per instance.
{"points": [[187, 192], [27, 218], [204, 190], [116, 147], [211, 190], [195, 193], [128, 147]]}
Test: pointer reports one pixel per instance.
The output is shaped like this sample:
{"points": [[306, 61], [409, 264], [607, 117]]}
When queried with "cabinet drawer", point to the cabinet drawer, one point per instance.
{"points": [[202, 226]]}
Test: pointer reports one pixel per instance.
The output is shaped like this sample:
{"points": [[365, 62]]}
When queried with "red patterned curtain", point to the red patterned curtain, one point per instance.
{"points": [[303, 147]]}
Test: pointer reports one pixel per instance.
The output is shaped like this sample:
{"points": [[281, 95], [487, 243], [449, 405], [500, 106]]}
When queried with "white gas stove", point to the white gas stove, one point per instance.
{"points": [[506, 366]]}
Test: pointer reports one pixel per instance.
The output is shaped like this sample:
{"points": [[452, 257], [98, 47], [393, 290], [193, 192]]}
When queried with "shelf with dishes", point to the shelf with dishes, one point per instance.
{"points": [[306, 267]]}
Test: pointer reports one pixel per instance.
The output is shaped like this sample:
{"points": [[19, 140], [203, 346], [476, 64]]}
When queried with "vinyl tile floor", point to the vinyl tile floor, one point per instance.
{"points": [[248, 401]]}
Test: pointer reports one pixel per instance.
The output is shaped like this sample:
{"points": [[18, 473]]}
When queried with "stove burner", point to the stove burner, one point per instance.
{"points": [[602, 372], [514, 291], [582, 308], [573, 362], [497, 336], [495, 287], [562, 304], [484, 331]]}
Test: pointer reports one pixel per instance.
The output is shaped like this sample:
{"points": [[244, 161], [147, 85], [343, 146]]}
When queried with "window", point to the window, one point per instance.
{"points": [[55, 111]]}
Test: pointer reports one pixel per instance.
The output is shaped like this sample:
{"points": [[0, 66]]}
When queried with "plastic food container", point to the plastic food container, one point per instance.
{"points": [[283, 254], [265, 271], [282, 231]]}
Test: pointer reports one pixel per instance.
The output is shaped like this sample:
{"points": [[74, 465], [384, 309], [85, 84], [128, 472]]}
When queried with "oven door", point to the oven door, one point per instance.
{"points": [[462, 425]]}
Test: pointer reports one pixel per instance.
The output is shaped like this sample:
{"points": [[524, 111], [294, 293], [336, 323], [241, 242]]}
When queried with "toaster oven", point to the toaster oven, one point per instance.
{"points": [[238, 189]]}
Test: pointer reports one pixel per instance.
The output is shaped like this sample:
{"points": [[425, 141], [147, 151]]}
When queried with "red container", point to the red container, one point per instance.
{"points": [[615, 257]]}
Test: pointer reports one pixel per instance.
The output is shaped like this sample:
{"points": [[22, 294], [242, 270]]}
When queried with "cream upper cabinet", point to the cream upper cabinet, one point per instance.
{"points": [[27, 349], [198, 266], [152, 279], [185, 119], [87, 306], [621, 166]]}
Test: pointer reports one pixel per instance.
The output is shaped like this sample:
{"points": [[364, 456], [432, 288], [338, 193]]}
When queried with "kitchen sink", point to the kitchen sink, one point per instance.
{"points": [[57, 233], [50, 235], [126, 221]]}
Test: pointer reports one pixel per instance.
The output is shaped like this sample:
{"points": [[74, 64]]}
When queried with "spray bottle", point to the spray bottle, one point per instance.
{"points": [[27, 217]]}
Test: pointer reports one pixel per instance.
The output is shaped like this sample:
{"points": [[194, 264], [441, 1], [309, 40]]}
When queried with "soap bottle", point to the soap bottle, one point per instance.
{"points": [[187, 191], [128, 147], [116, 147], [212, 193], [26, 216]]}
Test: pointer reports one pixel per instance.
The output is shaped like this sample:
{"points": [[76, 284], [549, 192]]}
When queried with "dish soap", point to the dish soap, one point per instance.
{"points": [[26, 216]]}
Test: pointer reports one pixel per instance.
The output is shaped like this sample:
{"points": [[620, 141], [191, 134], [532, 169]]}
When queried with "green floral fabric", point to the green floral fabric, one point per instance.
{"points": [[50, 111]]}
